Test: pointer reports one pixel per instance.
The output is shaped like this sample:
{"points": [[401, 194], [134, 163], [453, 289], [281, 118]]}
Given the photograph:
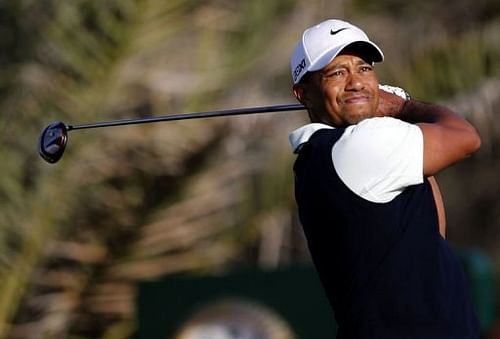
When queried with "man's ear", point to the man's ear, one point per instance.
{"points": [[300, 93]]}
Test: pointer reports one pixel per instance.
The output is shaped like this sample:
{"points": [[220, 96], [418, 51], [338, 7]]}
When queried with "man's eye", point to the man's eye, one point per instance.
{"points": [[336, 73], [366, 68]]}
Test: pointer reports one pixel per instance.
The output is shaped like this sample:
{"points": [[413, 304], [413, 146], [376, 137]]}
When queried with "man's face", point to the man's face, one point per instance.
{"points": [[341, 94]]}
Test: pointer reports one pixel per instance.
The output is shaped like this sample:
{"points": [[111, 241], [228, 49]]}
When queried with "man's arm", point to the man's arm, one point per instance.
{"points": [[448, 138], [439, 206]]}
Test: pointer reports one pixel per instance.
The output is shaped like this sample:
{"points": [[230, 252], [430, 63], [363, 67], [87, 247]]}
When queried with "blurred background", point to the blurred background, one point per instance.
{"points": [[85, 242]]}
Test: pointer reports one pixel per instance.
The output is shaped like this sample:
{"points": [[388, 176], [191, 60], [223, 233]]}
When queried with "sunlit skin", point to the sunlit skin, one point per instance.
{"points": [[342, 93]]}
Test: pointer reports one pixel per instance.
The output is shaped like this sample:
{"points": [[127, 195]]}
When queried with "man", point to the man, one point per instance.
{"points": [[370, 207]]}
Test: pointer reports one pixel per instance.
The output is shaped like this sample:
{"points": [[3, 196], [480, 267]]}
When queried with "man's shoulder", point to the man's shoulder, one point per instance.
{"points": [[380, 122], [378, 132], [379, 157], [301, 135]]}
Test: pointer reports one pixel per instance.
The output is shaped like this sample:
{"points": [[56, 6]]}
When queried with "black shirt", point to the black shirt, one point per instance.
{"points": [[385, 268]]}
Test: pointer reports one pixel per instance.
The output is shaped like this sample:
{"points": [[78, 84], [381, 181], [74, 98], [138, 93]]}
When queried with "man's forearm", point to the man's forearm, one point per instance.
{"points": [[416, 111], [448, 138]]}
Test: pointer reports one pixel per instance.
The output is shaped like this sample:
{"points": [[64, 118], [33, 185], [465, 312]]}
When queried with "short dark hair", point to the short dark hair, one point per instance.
{"points": [[305, 78]]}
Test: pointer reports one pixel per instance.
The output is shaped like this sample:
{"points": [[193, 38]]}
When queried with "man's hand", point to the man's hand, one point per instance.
{"points": [[391, 101]]}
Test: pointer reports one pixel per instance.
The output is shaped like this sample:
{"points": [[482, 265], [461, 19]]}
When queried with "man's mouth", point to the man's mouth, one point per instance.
{"points": [[356, 99]]}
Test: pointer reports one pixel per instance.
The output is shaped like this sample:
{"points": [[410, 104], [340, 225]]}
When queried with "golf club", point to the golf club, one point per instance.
{"points": [[54, 137]]}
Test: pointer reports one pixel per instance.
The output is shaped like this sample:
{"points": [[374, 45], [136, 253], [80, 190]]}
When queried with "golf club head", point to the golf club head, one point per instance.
{"points": [[52, 142]]}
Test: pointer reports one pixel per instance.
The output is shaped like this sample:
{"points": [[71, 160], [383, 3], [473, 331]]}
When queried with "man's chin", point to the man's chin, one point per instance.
{"points": [[357, 117]]}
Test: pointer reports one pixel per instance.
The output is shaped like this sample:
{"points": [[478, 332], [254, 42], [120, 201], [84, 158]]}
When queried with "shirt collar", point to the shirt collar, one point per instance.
{"points": [[302, 134]]}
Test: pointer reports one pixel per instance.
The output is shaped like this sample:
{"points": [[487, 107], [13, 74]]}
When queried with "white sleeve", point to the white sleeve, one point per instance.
{"points": [[379, 157]]}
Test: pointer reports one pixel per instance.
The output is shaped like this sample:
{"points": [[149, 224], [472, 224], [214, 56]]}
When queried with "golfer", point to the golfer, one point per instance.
{"points": [[369, 205]]}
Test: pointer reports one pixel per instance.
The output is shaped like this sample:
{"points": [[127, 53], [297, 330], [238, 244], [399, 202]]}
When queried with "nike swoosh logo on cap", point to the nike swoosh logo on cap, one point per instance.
{"points": [[332, 32]]}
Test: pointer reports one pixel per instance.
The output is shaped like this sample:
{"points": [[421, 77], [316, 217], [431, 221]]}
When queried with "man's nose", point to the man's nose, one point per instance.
{"points": [[354, 81]]}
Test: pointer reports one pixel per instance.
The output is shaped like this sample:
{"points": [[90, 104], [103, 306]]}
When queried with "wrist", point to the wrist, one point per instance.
{"points": [[407, 112], [414, 111], [391, 101]]}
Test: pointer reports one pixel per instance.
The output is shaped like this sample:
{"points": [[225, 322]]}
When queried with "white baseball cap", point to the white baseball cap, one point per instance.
{"points": [[320, 44]]}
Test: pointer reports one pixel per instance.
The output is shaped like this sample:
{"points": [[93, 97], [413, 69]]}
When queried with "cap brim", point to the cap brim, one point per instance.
{"points": [[366, 49]]}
